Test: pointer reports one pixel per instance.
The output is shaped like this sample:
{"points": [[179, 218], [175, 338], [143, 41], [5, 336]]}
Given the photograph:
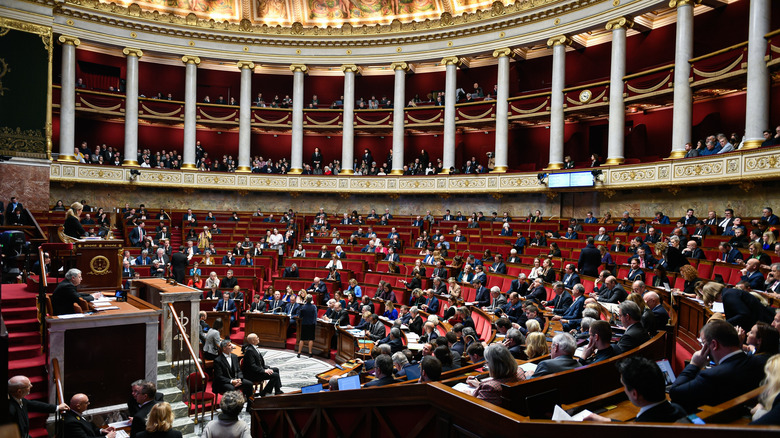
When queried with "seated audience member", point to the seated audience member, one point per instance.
{"points": [[401, 364], [562, 300], [227, 372], [635, 335], [573, 314], [768, 410], [762, 339], [514, 341], [227, 424], [599, 347], [653, 302], [536, 345], [561, 357], [430, 369], [644, 384], [383, 366], [254, 368], [503, 369], [614, 292], [734, 373]]}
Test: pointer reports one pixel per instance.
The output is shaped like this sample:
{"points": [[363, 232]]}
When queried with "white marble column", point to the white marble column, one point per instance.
{"points": [[131, 106], [757, 98], [348, 127], [190, 109], [68, 98], [245, 116], [559, 44], [450, 98], [682, 116], [502, 110], [617, 109], [399, 102], [296, 152]]}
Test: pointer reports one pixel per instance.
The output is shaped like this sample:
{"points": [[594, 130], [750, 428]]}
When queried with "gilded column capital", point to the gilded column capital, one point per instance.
{"points": [[127, 51], [298, 67], [560, 40], [679, 3], [620, 23], [245, 64], [506, 51], [450, 60], [399, 66], [189, 59], [69, 40], [350, 67]]}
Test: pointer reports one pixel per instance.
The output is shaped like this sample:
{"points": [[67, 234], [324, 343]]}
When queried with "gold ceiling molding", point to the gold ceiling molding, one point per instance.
{"points": [[127, 51], [620, 23], [519, 13]]}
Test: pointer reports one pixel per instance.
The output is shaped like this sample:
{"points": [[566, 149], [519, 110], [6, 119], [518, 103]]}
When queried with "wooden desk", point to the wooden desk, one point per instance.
{"points": [[212, 316], [101, 353], [323, 333], [346, 345], [186, 304], [271, 328], [326, 376], [100, 262], [613, 405]]}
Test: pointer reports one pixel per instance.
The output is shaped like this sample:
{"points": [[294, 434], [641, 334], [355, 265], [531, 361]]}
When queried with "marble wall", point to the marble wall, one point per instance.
{"points": [[28, 180], [745, 200]]}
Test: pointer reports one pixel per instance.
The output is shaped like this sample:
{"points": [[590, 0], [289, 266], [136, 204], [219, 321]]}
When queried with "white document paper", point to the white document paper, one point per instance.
{"points": [[528, 366], [560, 415], [718, 307], [464, 388]]}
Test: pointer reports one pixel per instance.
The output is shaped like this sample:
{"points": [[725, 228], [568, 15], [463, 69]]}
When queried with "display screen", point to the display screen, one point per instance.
{"points": [[570, 179]]}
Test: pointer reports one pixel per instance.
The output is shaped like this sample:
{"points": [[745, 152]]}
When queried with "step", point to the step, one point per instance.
{"points": [[185, 425], [166, 381], [160, 355], [171, 395], [179, 410], [14, 302], [33, 362], [163, 367], [23, 325], [24, 338], [14, 313], [23, 351]]}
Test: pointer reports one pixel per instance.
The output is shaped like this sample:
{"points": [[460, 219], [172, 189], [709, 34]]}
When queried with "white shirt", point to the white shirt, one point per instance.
{"points": [[276, 239], [228, 359]]}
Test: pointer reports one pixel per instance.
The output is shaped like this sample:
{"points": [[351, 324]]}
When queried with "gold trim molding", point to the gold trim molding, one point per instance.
{"points": [[127, 51], [506, 51], [190, 59], [559, 40], [69, 40], [620, 23], [680, 3], [245, 64], [350, 68], [399, 66], [450, 60], [298, 67]]}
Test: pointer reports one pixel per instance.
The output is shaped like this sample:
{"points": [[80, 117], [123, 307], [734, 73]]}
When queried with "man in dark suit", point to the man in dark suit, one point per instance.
{"points": [[415, 321], [392, 256], [599, 347], [514, 341], [635, 335], [137, 235], [537, 291], [614, 292], [729, 254], [227, 305], [291, 272], [570, 278], [498, 266], [692, 251], [393, 340], [77, 426], [66, 294], [644, 384], [384, 372], [227, 372], [376, 330], [590, 259], [127, 271], [562, 299], [520, 285], [13, 205], [277, 304], [254, 368], [660, 315], [571, 317], [318, 286], [689, 218], [735, 373], [145, 397], [752, 275], [431, 302], [482, 296], [19, 407], [179, 262], [561, 357], [339, 316]]}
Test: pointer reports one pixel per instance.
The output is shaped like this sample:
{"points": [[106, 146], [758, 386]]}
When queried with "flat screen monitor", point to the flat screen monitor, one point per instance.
{"points": [[581, 179], [349, 382], [558, 180], [311, 388]]}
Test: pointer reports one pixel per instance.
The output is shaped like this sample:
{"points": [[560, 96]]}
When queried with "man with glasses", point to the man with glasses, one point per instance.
{"points": [[635, 335], [18, 388]]}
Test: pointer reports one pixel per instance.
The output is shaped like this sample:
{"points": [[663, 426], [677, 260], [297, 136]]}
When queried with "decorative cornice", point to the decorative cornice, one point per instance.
{"points": [[350, 68], [127, 51], [620, 23], [189, 59], [399, 66], [298, 67], [69, 40], [245, 64], [559, 40], [506, 51]]}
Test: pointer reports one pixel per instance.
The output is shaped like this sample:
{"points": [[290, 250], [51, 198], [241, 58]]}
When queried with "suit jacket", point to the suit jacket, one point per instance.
{"points": [[561, 303], [569, 280], [589, 261], [396, 345], [20, 413], [63, 298], [743, 309], [277, 306], [387, 380], [633, 337], [600, 356], [231, 305], [139, 419], [377, 331], [289, 273], [76, 426], [482, 296], [433, 305], [734, 376], [136, 237], [755, 279], [575, 309], [550, 366], [341, 317], [498, 268], [416, 325], [539, 294], [664, 413], [615, 295], [520, 287], [224, 373], [698, 253], [253, 365]]}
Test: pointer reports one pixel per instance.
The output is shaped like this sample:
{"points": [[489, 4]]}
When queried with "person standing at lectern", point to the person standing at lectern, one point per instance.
{"points": [[72, 227], [19, 407], [179, 263]]}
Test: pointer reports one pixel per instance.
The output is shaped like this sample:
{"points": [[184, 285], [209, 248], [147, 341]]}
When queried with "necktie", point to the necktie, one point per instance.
{"points": [[225, 307], [641, 263]]}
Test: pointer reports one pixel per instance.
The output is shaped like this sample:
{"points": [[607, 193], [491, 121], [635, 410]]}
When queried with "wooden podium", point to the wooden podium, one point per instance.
{"points": [[271, 328], [100, 263]]}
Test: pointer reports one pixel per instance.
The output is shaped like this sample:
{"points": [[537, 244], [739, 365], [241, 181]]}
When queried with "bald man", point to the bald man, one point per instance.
{"points": [[78, 426], [653, 302], [752, 275], [254, 368], [18, 388]]}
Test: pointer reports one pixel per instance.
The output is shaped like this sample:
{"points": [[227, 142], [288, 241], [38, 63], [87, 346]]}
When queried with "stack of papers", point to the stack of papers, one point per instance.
{"points": [[528, 366], [560, 415], [464, 388]]}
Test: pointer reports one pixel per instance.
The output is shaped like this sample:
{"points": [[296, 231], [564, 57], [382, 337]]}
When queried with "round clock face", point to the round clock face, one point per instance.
{"points": [[585, 96]]}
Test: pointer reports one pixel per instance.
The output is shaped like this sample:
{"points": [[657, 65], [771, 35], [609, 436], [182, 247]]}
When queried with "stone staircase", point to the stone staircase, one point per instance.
{"points": [[169, 386]]}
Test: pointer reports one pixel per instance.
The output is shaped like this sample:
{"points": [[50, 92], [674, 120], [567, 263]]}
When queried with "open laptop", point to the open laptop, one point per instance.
{"points": [[311, 388], [349, 382]]}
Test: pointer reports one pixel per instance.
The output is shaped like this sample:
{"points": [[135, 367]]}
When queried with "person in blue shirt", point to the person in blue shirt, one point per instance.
{"points": [[390, 311]]}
